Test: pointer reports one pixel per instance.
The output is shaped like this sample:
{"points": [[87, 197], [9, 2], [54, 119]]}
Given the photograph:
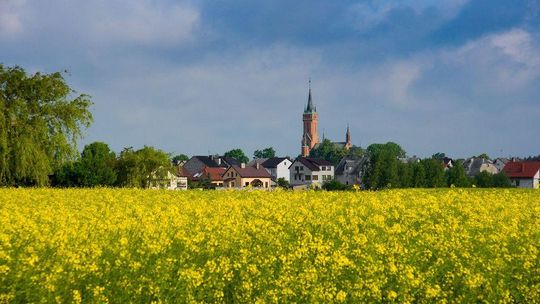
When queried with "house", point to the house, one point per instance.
{"points": [[475, 165], [349, 170], [523, 174], [214, 175], [278, 167], [310, 171], [197, 163], [173, 181], [500, 163], [244, 176]]}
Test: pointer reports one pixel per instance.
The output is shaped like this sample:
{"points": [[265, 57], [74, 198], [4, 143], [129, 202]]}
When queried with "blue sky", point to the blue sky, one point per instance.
{"points": [[456, 76]]}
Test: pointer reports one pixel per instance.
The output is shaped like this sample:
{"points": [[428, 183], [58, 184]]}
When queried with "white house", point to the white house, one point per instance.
{"points": [[278, 167], [523, 174], [475, 165], [310, 172]]}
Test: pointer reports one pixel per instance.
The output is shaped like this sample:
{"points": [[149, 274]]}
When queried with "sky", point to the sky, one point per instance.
{"points": [[460, 77]]}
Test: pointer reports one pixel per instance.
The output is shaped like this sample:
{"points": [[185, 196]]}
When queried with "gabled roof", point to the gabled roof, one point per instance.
{"points": [[313, 163], [207, 161], [273, 162], [251, 172], [521, 169], [230, 161], [215, 174]]}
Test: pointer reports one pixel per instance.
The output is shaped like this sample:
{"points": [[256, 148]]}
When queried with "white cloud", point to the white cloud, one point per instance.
{"points": [[144, 22], [10, 19]]}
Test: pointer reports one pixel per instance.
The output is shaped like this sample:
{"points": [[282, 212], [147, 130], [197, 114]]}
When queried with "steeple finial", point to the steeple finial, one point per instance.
{"points": [[310, 106]]}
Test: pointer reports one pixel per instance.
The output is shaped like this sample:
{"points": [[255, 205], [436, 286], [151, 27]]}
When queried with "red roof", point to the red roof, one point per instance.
{"points": [[215, 174], [521, 169], [251, 172]]}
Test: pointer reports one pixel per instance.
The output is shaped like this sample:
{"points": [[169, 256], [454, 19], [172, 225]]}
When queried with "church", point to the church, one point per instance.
{"points": [[310, 137]]}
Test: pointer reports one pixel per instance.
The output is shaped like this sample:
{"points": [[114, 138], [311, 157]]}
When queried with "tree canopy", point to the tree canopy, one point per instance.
{"points": [[264, 153], [142, 168], [238, 154], [41, 119], [329, 151]]}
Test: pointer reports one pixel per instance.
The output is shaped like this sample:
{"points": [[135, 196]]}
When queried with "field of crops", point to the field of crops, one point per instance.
{"points": [[124, 246]]}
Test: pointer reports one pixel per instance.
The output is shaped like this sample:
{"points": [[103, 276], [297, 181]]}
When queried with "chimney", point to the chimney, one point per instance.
{"points": [[257, 165], [242, 165]]}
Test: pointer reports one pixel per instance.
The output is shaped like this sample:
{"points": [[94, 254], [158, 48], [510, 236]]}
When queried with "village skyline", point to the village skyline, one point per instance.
{"points": [[199, 77]]}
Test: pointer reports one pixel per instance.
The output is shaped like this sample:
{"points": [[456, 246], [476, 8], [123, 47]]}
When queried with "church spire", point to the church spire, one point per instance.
{"points": [[348, 143], [310, 106]]}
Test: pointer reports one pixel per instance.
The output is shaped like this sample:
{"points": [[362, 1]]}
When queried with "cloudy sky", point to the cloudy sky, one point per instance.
{"points": [[454, 76]]}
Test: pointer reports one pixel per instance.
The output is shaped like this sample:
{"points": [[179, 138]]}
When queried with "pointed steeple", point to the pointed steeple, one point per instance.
{"points": [[310, 108], [348, 138]]}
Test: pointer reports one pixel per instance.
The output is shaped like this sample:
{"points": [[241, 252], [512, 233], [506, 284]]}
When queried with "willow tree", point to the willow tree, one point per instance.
{"points": [[41, 119]]}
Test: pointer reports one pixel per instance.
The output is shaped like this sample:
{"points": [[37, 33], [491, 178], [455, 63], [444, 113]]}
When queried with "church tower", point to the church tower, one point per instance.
{"points": [[348, 143], [311, 119]]}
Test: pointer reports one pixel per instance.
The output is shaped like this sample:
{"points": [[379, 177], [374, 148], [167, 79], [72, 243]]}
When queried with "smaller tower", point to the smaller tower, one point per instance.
{"points": [[348, 143]]}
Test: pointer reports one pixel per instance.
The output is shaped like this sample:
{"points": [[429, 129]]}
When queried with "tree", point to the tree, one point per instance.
{"points": [[456, 176], [329, 151], [282, 182], [265, 153], [418, 175], [180, 158], [40, 122], [405, 174], [237, 154], [483, 180], [96, 166], [142, 168], [438, 156], [434, 173], [501, 180], [484, 156], [335, 185], [381, 169]]}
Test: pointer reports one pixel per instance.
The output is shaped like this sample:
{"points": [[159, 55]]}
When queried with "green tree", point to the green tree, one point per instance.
{"points": [[405, 174], [335, 185], [329, 151], [282, 182], [501, 180], [237, 154], [180, 158], [142, 168], [438, 156], [40, 121], [434, 173], [265, 153], [484, 156], [418, 175], [381, 169], [457, 176], [96, 166], [484, 180]]}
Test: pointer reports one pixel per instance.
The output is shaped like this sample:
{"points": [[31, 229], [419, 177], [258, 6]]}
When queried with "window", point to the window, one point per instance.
{"points": [[308, 177], [247, 184], [296, 168], [315, 177], [323, 168], [328, 177], [266, 184], [301, 168], [232, 184]]}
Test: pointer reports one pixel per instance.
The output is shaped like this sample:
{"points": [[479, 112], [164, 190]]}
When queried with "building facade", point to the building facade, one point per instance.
{"points": [[523, 174], [278, 167], [244, 176], [310, 171]]}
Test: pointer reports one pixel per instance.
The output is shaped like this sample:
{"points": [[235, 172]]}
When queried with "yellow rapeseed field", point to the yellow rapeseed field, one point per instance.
{"points": [[124, 246]]}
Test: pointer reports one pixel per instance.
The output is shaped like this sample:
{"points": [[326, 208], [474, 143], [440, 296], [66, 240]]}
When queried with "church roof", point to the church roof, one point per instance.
{"points": [[310, 108]]}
